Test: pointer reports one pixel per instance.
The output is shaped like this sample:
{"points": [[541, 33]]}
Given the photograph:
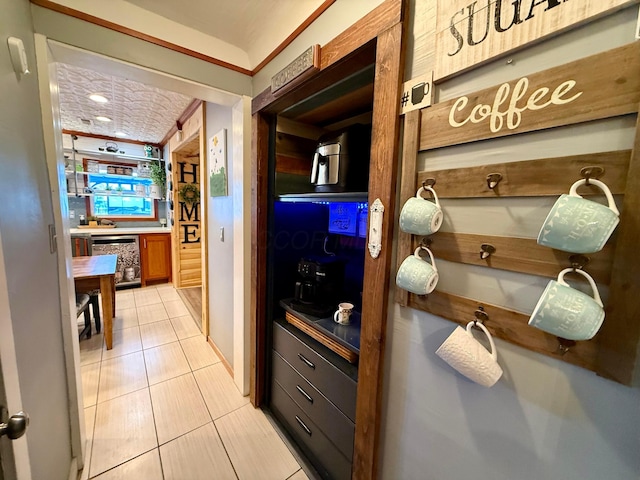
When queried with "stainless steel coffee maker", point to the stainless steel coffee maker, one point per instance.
{"points": [[341, 160]]}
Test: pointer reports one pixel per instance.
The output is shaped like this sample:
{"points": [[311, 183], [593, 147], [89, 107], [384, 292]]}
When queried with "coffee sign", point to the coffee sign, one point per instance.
{"points": [[470, 32], [600, 86]]}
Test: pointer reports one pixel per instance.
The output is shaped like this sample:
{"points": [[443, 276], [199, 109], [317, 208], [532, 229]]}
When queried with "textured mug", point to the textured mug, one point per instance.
{"points": [[578, 225], [465, 354], [419, 216], [343, 313], [566, 312], [416, 274]]}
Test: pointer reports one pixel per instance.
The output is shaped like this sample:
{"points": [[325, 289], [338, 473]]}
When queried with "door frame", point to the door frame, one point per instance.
{"points": [[384, 26], [48, 52]]}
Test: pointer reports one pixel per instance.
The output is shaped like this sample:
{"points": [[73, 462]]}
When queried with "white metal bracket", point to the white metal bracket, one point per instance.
{"points": [[376, 212]]}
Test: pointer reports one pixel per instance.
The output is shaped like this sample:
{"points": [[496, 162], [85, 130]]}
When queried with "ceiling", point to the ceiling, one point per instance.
{"points": [[255, 26], [147, 113], [143, 112]]}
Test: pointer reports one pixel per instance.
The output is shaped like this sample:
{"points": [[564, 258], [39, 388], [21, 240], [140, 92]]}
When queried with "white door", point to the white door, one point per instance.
{"points": [[36, 345], [10, 401]]}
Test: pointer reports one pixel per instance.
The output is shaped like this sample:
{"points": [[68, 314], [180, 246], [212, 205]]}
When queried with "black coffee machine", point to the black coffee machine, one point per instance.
{"points": [[320, 285]]}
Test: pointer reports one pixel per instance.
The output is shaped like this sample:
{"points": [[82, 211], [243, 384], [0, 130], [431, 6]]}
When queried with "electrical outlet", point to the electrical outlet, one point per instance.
{"points": [[72, 214]]}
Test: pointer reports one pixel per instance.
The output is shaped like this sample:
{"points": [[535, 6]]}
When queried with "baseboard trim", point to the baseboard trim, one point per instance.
{"points": [[224, 361]]}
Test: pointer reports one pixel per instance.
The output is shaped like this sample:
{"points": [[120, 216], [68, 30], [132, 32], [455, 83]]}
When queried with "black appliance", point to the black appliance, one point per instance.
{"points": [[341, 160], [318, 290]]}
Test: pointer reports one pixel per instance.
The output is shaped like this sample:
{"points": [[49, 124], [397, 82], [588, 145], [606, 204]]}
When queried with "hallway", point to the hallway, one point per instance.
{"points": [[161, 405]]}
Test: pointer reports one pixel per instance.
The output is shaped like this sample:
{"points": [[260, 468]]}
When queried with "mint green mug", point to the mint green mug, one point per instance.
{"points": [[420, 216], [566, 312], [578, 225], [416, 274]]}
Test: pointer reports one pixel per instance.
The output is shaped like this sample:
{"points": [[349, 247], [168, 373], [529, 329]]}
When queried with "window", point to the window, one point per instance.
{"points": [[120, 196]]}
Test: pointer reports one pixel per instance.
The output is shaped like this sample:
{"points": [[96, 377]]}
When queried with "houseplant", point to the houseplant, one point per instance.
{"points": [[158, 177]]}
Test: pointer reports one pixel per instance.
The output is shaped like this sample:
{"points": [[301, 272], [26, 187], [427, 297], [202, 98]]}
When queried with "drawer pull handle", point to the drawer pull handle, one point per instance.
{"points": [[309, 364], [304, 394], [301, 423]]}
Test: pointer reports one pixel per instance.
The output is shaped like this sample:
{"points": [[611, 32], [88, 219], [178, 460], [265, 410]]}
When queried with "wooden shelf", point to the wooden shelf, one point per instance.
{"points": [[108, 155], [108, 175]]}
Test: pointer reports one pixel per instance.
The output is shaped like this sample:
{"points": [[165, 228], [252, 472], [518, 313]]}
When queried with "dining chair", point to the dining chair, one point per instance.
{"points": [[81, 247], [82, 306]]}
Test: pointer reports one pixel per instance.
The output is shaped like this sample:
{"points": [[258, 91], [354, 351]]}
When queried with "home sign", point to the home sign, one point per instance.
{"points": [[470, 32]]}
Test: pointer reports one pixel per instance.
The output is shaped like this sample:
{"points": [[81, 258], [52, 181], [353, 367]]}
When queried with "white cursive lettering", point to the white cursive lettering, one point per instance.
{"points": [[538, 100]]}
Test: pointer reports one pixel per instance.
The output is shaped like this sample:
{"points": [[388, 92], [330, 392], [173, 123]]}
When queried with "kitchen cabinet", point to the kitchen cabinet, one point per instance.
{"points": [[155, 257]]}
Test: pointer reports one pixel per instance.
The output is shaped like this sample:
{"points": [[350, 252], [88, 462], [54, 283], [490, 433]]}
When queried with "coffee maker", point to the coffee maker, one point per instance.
{"points": [[341, 161], [319, 286]]}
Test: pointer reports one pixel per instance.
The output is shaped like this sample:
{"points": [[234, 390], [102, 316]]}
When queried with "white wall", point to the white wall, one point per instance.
{"points": [[221, 251], [337, 18], [32, 272], [544, 419]]}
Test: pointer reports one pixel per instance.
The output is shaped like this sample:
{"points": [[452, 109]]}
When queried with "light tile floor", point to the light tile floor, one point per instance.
{"points": [[161, 405]]}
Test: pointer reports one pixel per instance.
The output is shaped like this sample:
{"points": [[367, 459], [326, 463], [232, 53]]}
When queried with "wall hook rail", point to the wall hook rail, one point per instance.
{"points": [[493, 179], [486, 250], [591, 172]]}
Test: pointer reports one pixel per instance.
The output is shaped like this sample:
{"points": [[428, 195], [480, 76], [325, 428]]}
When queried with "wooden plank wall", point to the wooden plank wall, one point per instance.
{"points": [[186, 251], [616, 92]]}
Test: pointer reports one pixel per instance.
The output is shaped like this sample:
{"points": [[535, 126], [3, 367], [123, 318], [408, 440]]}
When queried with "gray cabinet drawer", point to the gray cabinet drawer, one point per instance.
{"points": [[334, 424], [327, 459], [326, 377]]}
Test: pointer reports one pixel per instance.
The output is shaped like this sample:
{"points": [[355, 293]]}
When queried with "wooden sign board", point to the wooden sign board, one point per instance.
{"points": [[597, 87], [417, 93], [470, 32]]}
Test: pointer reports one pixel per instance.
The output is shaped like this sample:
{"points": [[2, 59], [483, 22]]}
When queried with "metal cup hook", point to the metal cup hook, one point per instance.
{"points": [[591, 172], [480, 316]]}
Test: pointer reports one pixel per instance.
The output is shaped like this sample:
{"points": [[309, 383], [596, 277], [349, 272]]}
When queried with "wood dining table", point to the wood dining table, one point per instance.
{"points": [[98, 271]]}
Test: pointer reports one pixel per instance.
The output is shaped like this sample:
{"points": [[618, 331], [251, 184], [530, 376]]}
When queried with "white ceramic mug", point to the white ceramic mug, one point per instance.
{"points": [[416, 274], [566, 312], [420, 216], [465, 354], [578, 225], [343, 313]]}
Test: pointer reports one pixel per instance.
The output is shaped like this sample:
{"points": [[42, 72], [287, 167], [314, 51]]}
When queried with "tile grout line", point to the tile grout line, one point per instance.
{"points": [[225, 449]]}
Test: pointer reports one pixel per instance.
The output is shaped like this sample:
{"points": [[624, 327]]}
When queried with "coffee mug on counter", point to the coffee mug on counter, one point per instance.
{"points": [[566, 312], [343, 313], [416, 274], [420, 216], [467, 355], [578, 225]]}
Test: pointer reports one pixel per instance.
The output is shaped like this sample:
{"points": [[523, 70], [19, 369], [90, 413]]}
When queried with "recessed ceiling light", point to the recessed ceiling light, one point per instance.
{"points": [[121, 134], [98, 98], [103, 119]]}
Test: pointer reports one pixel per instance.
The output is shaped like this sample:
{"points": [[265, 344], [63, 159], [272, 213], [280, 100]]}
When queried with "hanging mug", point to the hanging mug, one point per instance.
{"points": [[566, 312], [578, 225], [420, 216], [416, 274], [467, 355]]}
